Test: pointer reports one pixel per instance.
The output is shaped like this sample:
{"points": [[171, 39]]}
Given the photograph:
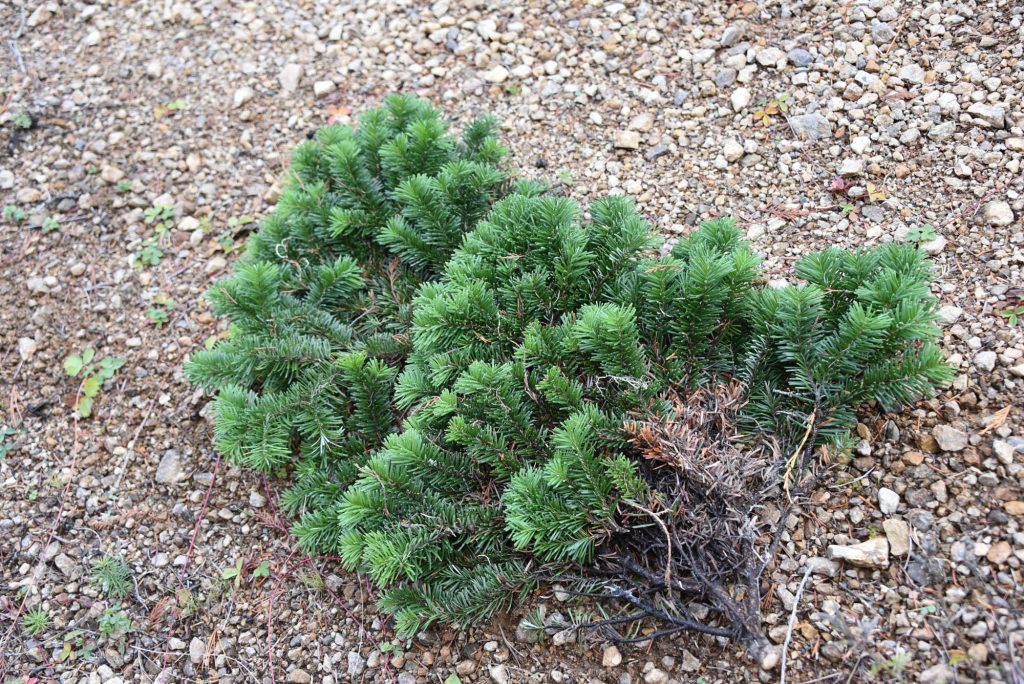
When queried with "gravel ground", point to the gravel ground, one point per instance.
{"points": [[814, 122]]}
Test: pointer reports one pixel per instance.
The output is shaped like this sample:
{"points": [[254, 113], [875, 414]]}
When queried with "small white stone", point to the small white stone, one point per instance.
{"points": [[290, 76], [243, 95], [732, 150], [740, 98], [322, 88], [496, 74], [888, 501], [997, 213], [851, 167], [860, 144], [873, 553]]}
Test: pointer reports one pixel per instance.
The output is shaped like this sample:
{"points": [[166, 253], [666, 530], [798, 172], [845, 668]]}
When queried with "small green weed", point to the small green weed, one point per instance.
{"points": [[111, 575], [49, 225], [36, 621], [94, 374], [23, 120], [124, 186], [114, 623], [1011, 315], [233, 574], [13, 214], [921, 234], [5, 447], [158, 313]]}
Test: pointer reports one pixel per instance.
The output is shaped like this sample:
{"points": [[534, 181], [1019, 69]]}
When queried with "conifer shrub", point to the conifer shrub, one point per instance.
{"points": [[487, 389], [320, 305], [581, 408]]}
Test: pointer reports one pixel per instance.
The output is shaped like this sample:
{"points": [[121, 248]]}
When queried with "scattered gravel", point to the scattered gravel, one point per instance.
{"points": [[816, 124]]}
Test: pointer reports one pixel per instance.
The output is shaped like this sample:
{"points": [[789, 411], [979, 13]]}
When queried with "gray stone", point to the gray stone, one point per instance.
{"points": [[881, 32], [811, 126], [169, 470], [985, 361], [851, 167], [823, 566], [733, 34], [1004, 451], [913, 73], [799, 57], [987, 116], [196, 650], [873, 553], [937, 674], [356, 665], [323, 88], [65, 564], [949, 438]]}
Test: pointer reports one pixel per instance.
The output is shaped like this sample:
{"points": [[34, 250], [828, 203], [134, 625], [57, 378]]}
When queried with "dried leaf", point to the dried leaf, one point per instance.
{"points": [[997, 420]]}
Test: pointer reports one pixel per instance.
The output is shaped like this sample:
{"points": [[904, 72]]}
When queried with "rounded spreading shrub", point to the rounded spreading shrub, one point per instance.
{"points": [[526, 394]]}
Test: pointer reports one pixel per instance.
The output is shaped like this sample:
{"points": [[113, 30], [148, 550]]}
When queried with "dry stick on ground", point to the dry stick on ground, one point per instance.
{"points": [[792, 622]]}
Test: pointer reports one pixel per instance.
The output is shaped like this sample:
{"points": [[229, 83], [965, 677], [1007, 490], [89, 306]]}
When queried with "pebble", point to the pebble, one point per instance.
{"points": [[897, 533], [627, 140], [811, 126], [771, 56], [799, 57], [873, 553], [851, 167], [987, 115], [611, 657], [740, 98], [732, 150], [985, 361], [243, 95], [999, 553], [196, 650], [323, 88], [290, 76], [656, 676], [913, 73], [949, 438], [6, 179], [937, 674], [215, 264], [641, 122], [733, 34], [26, 348], [169, 469], [356, 665], [997, 213], [496, 74], [888, 501], [860, 144], [498, 673], [299, 676]]}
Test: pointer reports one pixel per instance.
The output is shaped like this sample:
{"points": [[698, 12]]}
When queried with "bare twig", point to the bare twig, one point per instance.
{"points": [[792, 622]]}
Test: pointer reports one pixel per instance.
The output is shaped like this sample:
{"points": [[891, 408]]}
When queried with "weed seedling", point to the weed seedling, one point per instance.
{"points": [[114, 623], [5, 447], [13, 214], [158, 313], [921, 234], [233, 574], [94, 376], [36, 621], [124, 186], [111, 575], [1012, 314], [49, 225]]}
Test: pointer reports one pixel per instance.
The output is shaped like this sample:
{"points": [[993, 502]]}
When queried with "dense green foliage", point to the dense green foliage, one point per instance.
{"points": [[320, 304], [458, 374], [545, 336]]}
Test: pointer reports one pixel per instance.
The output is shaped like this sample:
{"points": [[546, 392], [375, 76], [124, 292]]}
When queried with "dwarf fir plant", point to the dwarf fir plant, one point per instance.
{"points": [[543, 363], [487, 394], [320, 304]]}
